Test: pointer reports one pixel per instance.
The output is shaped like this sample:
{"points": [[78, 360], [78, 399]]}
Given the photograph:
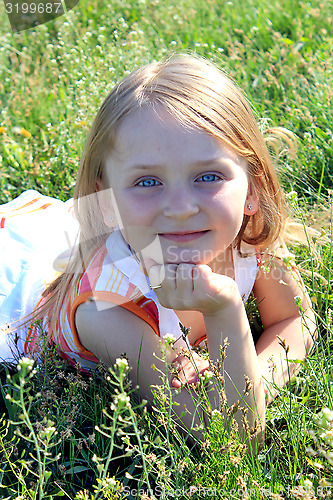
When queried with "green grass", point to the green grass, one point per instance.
{"points": [[53, 78]]}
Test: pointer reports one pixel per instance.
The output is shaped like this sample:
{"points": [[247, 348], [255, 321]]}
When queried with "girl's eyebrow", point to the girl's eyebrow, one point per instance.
{"points": [[143, 166], [221, 161]]}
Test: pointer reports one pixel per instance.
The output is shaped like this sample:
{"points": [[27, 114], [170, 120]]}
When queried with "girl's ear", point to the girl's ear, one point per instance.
{"points": [[251, 203], [105, 203]]}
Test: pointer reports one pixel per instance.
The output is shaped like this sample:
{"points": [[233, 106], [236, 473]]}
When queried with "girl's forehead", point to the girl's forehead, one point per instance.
{"points": [[144, 125]]}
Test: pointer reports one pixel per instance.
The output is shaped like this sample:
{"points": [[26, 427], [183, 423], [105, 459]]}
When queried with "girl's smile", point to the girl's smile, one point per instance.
{"points": [[183, 236], [178, 185]]}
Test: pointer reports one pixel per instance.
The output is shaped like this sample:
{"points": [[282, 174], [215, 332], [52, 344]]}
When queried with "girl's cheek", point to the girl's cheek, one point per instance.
{"points": [[140, 207]]}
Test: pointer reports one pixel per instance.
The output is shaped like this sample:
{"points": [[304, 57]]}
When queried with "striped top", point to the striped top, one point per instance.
{"points": [[113, 275]]}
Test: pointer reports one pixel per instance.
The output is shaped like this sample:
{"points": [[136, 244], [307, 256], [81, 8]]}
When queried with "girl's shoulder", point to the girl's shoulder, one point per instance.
{"points": [[277, 254], [277, 286]]}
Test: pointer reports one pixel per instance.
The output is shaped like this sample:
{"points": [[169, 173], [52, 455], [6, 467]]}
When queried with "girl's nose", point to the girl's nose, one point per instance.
{"points": [[180, 203]]}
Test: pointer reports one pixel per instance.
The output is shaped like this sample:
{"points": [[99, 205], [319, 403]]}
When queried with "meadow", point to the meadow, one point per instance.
{"points": [[64, 434]]}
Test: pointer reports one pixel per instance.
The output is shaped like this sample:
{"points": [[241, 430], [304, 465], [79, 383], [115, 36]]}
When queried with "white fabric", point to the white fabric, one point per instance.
{"points": [[30, 241]]}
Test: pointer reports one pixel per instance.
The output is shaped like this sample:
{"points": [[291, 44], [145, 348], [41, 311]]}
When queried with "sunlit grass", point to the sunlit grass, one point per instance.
{"points": [[53, 79]]}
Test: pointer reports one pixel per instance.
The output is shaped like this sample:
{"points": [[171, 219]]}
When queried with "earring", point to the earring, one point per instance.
{"points": [[250, 206], [111, 219]]}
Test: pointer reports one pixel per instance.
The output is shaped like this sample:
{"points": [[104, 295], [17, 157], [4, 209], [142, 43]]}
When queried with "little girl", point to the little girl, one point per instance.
{"points": [[178, 206]]}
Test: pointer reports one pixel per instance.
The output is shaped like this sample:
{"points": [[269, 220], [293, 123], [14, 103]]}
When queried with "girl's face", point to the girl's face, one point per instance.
{"points": [[179, 195]]}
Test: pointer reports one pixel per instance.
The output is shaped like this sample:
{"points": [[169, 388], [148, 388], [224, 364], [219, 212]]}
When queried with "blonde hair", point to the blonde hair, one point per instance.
{"points": [[199, 95]]}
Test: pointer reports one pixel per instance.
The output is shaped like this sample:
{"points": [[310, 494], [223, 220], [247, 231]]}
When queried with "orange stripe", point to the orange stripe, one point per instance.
{"points": [[258, 257], [32, 335], [44, 206], [2, 223], [30, 211], [114, 299], [198, 341], [23, 206]]}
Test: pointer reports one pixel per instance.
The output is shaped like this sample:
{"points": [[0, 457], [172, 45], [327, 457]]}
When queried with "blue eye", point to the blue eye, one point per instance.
{"points": [[209, 177], [148, 183]]}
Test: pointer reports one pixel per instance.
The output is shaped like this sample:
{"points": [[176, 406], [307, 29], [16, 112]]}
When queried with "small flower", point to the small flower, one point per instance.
{"points": [[182, 466], [25, 364], [327, 414], [327, 436], [323, 483], [308, 484], [111, 482], [289, 261], [2, 130], [216, 413], [206, 376], [169, 339], [292, 196], [47, 432], [81, 123], [120, 401], [248, 385], [121, 364], [25, 133], [21, 131]]}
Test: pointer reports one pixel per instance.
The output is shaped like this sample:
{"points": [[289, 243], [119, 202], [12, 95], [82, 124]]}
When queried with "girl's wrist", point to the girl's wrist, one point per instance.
{"points": [[231, 322], [234, 305]]}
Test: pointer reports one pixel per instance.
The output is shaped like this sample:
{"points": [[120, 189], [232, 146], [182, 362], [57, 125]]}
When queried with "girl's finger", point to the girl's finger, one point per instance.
{"points": [[185, 275], [176, 383], [154, 275]]}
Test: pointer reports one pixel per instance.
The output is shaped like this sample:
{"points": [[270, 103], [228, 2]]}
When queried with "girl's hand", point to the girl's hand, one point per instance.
{"points": [[192, 287], [189, 366]]}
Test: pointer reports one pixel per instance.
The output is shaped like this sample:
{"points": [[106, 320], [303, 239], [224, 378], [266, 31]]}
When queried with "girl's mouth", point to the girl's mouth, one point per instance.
{"points": [[183, 236]]}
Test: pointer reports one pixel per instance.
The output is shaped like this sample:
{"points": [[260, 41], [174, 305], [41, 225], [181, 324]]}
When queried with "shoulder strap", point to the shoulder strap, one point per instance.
{"points": [[114, 299]]}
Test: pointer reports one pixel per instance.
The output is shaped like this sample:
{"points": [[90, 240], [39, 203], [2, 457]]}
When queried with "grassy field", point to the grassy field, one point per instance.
{"points": [[60, 435]]}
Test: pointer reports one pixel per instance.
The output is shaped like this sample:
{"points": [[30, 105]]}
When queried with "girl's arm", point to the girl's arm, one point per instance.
{"points": [[111, 332], [196, 287], [241, 359], [285, 311]]}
